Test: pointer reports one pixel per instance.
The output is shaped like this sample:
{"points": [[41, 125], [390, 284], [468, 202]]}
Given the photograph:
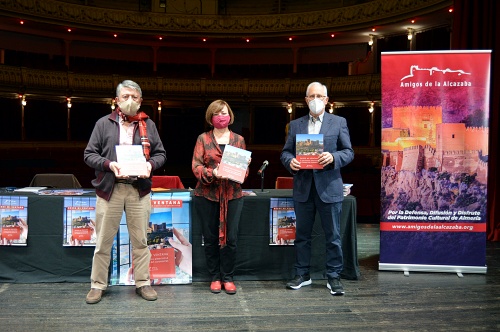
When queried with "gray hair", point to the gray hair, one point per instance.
{"points": [[316, 83], [128, 84]]}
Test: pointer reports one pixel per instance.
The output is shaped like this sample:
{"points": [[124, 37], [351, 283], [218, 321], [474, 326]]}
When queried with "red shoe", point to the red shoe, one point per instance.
{"points": [[229, 287], [215, 286]]}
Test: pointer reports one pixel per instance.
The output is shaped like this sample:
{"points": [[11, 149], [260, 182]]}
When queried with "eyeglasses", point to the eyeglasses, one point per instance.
{"points": [[316, 96]]}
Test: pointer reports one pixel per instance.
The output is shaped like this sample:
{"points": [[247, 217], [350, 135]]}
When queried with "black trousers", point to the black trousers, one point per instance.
{"points": [[220, 261]]}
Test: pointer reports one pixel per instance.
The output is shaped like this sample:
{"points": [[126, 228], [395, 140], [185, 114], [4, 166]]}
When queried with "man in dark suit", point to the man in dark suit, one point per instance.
{"points": [[318, 189]]}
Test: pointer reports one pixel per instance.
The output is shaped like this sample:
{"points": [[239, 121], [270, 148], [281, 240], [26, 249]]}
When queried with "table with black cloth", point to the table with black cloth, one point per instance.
{"points": [[257, 260], [45, 259]]}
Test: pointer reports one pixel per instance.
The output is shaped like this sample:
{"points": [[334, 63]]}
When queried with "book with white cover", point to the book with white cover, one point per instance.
{"points": [[30, 189], [131, 160], [234, 163]]}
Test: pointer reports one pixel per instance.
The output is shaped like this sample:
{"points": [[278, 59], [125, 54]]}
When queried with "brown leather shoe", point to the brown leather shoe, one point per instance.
{"points": [[147, 293], [93, 296]]}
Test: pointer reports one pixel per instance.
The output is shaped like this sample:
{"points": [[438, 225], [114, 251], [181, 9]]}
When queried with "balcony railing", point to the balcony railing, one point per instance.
{"points": [[57, 84]]}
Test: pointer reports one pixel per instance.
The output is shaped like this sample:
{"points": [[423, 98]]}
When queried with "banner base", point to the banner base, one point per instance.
{"points": [[431, 268]]}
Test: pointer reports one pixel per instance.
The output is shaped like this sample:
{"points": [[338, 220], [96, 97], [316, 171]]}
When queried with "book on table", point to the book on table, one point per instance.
{"points": [[308, 148], [234, 163]]}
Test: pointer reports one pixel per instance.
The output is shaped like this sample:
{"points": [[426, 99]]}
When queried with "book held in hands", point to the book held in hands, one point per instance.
{"points": [[234, 163], [131, 160], [308, 149]]}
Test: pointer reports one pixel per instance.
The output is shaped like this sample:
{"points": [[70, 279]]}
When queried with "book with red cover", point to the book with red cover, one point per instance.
{"points": [[308, 147], [234, 163]]}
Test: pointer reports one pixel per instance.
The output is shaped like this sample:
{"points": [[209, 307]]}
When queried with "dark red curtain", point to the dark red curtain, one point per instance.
{"points": [[476, 26]]}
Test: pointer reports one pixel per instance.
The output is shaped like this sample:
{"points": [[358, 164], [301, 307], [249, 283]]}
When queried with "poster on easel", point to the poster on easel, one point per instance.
{"points": [[168, 238], [435, 129], [13, 220]]}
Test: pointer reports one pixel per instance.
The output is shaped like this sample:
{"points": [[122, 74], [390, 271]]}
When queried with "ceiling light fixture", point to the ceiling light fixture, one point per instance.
{"points": [[410, 33]]}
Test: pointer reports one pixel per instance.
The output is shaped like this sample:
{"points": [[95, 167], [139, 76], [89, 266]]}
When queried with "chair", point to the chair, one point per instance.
{"points": [[284, 182], [54, 180], [167, 182]]}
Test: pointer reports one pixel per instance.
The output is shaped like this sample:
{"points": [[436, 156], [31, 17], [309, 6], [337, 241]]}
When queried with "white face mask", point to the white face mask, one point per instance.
{"points": [[316, 106], [129, 107]]}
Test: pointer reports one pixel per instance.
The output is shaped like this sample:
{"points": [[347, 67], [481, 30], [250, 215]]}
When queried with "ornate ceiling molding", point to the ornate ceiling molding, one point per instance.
{"points": [[339, 19]]}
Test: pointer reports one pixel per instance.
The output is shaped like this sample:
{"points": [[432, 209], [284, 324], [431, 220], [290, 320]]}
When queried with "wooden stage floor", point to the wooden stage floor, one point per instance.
{"points": [[380, 301]]}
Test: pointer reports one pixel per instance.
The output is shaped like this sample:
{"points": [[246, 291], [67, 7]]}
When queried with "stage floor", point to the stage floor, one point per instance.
{"points": [[379, 301]]}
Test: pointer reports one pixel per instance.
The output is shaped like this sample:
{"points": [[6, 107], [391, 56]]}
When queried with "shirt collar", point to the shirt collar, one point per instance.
{"points": [[320, 117]]}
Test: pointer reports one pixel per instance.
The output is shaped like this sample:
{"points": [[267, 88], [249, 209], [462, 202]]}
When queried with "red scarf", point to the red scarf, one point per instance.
{"points": [[223, 202], [139, 117]]}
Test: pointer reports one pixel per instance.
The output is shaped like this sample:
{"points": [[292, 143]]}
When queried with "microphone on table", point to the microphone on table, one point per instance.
{"points": [[263, 167]]}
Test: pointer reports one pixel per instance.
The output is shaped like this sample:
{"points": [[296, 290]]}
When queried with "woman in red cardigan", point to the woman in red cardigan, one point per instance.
{"points": [[218, 200]]}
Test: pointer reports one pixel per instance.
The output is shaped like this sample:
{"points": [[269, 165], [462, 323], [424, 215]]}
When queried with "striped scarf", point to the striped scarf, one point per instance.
{"points": [[139, 117]]}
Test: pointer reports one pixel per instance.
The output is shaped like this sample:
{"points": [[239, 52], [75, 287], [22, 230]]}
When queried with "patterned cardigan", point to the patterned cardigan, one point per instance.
{"points": [[206, 156]]}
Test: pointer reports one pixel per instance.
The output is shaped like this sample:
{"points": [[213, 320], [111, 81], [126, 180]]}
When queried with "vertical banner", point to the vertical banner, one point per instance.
{"points": [[435, 115], [168, 240], [13, 220]]}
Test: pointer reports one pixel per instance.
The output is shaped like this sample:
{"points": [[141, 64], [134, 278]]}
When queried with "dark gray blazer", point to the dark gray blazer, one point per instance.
{"points": [[328, 181]]}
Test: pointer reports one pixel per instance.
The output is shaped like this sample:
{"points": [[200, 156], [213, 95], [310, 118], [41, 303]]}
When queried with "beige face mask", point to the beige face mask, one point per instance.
{"points": [[129, 107]]}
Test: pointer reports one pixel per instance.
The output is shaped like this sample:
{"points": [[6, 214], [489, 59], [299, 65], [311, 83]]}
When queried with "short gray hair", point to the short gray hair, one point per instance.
{"points": [[128, 84], [316, 83]]}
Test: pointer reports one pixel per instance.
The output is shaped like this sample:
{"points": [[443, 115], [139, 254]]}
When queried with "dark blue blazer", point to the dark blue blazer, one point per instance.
{"points": [[328, 180]]}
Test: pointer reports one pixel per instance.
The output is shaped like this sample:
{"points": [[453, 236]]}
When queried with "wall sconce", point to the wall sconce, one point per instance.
{"points": [[159, 105], [371, 108], [69, 102], [410, 33], [23, 99], [289, 108], [370, 42], [112, 104], [331, 107]]}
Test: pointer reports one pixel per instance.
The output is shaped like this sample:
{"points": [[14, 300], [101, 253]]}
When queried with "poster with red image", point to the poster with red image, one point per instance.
{"points": [[435, 130], [13, 220]]}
